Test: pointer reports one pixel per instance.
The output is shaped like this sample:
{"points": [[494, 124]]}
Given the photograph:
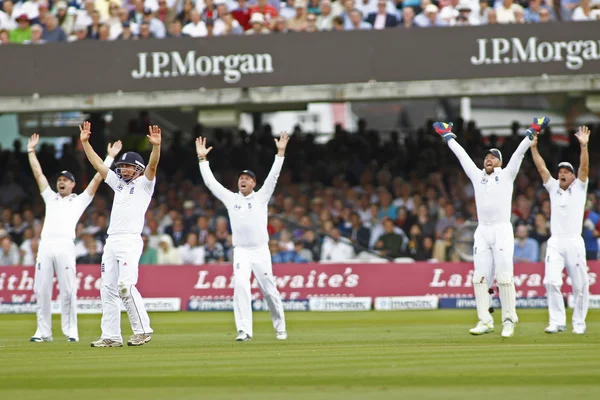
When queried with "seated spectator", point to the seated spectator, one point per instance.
{"points": [[356, 22], [281, 25], [408, 18], [443, 249], [117, 29], [505, 12], [177, 232], [18, 228], [313, 7], [157, 28], [167, 253], [285, 240], [482, 13], [257, 23], [359, 233], [149, 254], [391, 244], [416, 246], [526, 248], [242, 15], [191, 252], [23, 30], [533, 13], [448, 218], [267, 11], [583, 12], [210, 27], [303, 254], [325, 17], [227, 25], [311, 23], [145, 32], [81, 246], [546, 16], [4, 37], [196, 27], [7, 16], [465, 16], [213, 250], [381, 18], [127, 33], [94, 27], [492, 18], [541, 229], [92, 255], [166, 14], [338, 24], [137, 14], [336, 248], [65, 17], [519, 14], [298, 22], [312, 244], [9, 251]]}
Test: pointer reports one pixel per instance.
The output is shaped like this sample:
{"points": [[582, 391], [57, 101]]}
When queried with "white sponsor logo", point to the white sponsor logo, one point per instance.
{"points": [[173, 64], [594, 301], [94, 306], [513, 51], [406, 303], [340, 303]]}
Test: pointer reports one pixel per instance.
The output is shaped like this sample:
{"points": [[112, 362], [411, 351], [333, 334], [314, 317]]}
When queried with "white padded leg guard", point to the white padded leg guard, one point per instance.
{"points": [[508, 297], [482, 298]]}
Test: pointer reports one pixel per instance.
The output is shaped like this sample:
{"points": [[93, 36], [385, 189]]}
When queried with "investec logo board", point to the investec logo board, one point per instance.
{"points": [[513, 51], [231, 67]]}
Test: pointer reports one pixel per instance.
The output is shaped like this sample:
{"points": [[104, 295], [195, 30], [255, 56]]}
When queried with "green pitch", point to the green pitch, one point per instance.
{"points": [[368, 355]]}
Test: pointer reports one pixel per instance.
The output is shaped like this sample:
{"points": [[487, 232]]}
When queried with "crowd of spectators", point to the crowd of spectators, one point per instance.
{"points": [[360, 195], [40, 21]]}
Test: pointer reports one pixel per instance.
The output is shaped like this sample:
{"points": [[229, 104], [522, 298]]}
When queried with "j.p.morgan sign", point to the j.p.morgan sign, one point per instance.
{"points": [[513, 51], [390, 55], [173, 64]]}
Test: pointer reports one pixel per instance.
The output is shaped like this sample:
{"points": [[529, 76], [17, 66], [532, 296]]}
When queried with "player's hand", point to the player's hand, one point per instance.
{"points": [[33, 141], [282, 142], [534, 142], [154, 137], [583, 135], [114, 149], [85, 132], [201, 149], [444, 130]]}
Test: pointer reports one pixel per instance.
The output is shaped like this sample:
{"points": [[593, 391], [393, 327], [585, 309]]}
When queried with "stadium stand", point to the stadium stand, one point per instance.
{"points": [[360, 195], [42, 21]]}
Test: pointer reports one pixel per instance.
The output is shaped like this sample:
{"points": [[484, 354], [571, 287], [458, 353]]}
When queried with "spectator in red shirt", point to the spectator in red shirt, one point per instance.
{"points": [[267, 10], [242, 15]]}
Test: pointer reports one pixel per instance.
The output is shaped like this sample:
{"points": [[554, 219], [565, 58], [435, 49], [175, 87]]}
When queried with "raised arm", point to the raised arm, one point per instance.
{"points": [[111, 153], [218, 190], [35, 164], [445, 131], [539, 161], [155, 139], [514, 164], [584, 158], [268, 187], [95, 160]]}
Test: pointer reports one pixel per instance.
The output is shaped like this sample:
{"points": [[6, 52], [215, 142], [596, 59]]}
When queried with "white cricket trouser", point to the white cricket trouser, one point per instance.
{"points": [[56, 256], [120, 263], [569, 252], [245, 262], [493, 250]]}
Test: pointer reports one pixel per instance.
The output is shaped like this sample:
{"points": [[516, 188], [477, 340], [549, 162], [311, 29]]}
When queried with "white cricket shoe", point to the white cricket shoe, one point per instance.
{"points": [[281, 335], [139, 339], [242, 337], [482, 328], [555, 328], [41, 339], [579, 331], [106, 343], [508, 329]]}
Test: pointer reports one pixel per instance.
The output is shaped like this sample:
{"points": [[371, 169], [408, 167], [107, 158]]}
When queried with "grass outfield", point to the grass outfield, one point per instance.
{"points": [[350, 355]]}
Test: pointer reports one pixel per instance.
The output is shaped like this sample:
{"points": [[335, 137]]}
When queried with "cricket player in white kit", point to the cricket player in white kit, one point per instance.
{"points": [[248, 214], [494, 238], [56, 252], [133, 184], [565, 246]]}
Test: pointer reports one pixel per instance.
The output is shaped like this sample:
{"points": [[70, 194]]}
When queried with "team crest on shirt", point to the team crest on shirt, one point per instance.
{"points": [[237, 207], [119, 187], [484, 180]]}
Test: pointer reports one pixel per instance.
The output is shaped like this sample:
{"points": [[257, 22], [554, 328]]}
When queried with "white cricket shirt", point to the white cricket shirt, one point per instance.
{"points": [[130, 204], [62, 214], [248, 214], [493, 193], [567, 207]]}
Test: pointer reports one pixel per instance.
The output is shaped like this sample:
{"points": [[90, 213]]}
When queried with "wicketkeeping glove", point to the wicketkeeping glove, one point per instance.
{"points": [[444, 130], [539, 124]]}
